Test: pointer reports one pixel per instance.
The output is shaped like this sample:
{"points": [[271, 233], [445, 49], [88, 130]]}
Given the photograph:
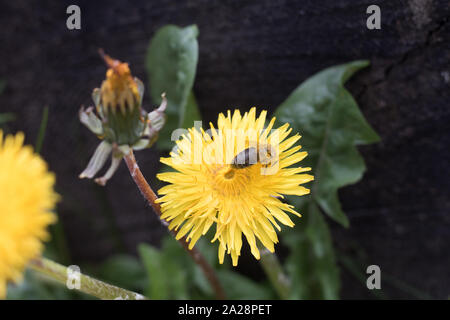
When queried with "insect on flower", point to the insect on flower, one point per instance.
{"points": [[264, 154], [234, 178]]}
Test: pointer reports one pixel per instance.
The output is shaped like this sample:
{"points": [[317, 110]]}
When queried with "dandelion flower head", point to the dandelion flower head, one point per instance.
{"points": [[26, 200], [207, 188]]}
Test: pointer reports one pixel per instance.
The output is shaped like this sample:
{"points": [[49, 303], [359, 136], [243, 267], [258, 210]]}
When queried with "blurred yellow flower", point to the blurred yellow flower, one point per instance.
{"points": [[26, 201], [217, 182]]}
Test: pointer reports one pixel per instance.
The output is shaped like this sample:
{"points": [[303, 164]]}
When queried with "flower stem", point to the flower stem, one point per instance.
{"points": [[151, 197], [274, 271], [87, 284]]}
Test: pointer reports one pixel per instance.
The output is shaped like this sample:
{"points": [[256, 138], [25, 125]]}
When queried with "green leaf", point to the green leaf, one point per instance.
{"points": [[124, 271], [239, 287], [157, 287], [327, 116], [209, 252], [175, 262], [171, 64], [6, 117], [168, 270], [180, 278], [42, 129], [312, 264], [331, 124], [190, 113]]}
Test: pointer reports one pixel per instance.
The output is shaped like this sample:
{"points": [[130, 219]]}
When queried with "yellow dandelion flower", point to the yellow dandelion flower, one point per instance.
{"points": [[217, 182], [26, 199]]}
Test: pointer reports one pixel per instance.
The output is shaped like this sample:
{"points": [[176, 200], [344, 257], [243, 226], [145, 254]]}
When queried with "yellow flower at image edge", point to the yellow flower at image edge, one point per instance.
{"points": [[237, 199], [26, 201]]}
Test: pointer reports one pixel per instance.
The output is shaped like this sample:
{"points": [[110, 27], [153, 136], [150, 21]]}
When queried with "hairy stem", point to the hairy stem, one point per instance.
{"points": [[275, 273], [87, 284], [151, 197]]}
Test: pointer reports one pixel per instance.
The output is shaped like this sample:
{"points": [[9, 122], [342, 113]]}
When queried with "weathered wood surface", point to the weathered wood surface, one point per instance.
{"points": [[252, 53]]}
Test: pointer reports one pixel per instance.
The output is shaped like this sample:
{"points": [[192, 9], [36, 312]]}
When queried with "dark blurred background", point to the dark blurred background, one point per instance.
{"points": [[252, 53]]}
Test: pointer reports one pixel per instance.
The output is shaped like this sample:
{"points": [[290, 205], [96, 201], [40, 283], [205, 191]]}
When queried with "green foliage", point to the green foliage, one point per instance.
{"points": [[158, 285], [57, 247], [171, 64], [311, 264], [332, 125], [190, 113], [42, 129], [172, 274], [168, 270], [5, 117], [239, 287], [124, 271], [327, 116]]}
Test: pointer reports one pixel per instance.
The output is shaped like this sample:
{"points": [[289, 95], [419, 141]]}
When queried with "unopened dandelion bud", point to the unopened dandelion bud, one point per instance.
{"points": [[118, 118]]}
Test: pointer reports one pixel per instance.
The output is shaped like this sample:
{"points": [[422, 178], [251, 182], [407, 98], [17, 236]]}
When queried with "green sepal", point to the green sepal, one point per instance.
{"points": [[125, 128]]}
